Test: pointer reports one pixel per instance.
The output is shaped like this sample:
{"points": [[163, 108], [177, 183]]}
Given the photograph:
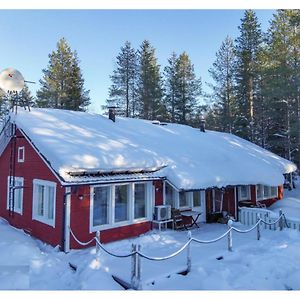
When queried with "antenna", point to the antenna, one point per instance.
{"points": [[12, 83]]}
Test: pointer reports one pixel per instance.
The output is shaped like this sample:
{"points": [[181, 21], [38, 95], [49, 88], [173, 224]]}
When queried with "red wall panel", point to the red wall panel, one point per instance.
{"points": [[32, 168]]}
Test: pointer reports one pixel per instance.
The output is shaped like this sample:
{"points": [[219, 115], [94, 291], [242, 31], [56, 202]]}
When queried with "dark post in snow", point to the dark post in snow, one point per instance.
{"points": [[112, 113], [189, 258], [202, 124], [280, 220], [258, 227]]}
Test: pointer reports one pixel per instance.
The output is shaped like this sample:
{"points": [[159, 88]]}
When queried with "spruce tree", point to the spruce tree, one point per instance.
{"points": [[170, 86], [150, 105], [62, 85], [246, 75], [188, 90], [122, 92], [222, 73]]}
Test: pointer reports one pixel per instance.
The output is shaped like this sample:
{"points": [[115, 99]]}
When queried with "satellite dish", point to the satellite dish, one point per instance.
{"points": [[11, 80]]}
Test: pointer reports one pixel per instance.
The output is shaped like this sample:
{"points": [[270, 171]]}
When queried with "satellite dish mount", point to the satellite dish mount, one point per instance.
{"points": [[12, 83]]}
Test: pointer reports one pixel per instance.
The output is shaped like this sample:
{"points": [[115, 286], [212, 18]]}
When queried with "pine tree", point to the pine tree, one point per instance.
{"points": [[246, 74], [223, 88], [281, 85], [188, 90], [150, 92], [62, 85], [170, 86], [122, 92]]}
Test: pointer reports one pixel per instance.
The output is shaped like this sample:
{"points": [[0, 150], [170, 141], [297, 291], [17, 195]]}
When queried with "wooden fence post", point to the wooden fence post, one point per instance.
{"points": [[135, 268], [189, 258], [280, 220], [258, 227], [98, 239], [229, 224]]}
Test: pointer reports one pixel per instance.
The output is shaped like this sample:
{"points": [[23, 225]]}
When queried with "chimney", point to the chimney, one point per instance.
{"points": [[112, 113], [202, 124]]}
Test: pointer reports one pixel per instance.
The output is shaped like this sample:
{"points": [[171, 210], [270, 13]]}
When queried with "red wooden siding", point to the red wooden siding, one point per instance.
{"points": [[32, 168], [159, 197]]}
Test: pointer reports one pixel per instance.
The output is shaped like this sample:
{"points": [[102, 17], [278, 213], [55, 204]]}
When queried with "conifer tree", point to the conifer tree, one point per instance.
{"points": [[188, 90], [62, 85], [122, 92], [170, 86], [150, 92], [222, 72], [246, 75]]}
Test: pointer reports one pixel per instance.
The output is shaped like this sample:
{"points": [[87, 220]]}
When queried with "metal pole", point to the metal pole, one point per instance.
{"points": [[280, 220], [98, 239], [189, 258], [258, 227], [133, 267], [229, 224], [139, 268]]}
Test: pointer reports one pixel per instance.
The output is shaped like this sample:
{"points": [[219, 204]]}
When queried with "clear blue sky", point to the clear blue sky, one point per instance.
{"points": [[28, 36]]}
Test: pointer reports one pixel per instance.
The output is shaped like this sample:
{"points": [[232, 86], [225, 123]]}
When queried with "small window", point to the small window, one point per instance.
{"points": [[274, 192], [244, 192], [169, 194], [183, 199], [196, 199], [259, 192], [21, 154], [101, 205], [15, 194], [267, 192], [44, 196]]}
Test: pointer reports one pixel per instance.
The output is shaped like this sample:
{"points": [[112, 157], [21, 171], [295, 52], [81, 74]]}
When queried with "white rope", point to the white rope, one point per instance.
{"points": [[79, 242], [112, 254]]}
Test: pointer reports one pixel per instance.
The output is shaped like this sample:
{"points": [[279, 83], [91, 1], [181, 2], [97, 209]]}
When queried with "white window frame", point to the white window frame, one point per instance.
{"points": [[248, 197], [35, 216], [21, 158], [16, 209], [131, 220], [271, 196]]}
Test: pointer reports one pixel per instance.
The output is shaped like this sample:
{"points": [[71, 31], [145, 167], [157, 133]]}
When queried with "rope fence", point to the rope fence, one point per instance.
{"points": [[136, 252]]}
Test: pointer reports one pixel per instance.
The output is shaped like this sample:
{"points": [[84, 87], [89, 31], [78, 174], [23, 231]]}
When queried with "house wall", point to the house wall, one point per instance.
{"points": [[80, 218], [32, 168]]}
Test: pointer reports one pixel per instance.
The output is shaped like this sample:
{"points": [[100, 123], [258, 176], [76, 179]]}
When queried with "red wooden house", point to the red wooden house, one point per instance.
{"points": [[63, 169]]}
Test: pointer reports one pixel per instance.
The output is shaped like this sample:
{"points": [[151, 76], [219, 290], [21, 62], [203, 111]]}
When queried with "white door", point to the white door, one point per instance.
{"points": [[199, 204]]}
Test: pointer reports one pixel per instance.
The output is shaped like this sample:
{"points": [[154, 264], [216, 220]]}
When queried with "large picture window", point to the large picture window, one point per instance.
{"points": [[244, 192], [140, 200], [121, 203], [116, 204], [101, 205], [266, 192], [15, 195], [44, 197]]}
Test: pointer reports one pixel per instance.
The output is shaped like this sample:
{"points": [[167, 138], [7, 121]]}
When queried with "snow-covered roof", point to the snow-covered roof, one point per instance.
{"points": [[190, 159]]}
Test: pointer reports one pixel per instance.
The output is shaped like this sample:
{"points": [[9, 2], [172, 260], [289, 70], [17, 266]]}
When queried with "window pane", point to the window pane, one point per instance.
{"points": [[50, 202], [169, 195], [40, 200], [140, 197], [244, 192], [266, 191], [121, 203], [101, 205], [196, 199], [18, 194], [274, 191], [183, 199], [259, 191]]}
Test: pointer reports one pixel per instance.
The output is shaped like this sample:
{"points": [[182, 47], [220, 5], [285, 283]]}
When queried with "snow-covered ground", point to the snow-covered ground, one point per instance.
{"points": [[273, 263]]}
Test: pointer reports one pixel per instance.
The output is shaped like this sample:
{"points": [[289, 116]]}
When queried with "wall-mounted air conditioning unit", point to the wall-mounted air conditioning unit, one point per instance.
{"points": [[162, 212]]}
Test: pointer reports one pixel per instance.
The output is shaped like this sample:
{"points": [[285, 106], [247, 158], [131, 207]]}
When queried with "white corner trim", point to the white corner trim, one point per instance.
{"points": [[67, 219]]}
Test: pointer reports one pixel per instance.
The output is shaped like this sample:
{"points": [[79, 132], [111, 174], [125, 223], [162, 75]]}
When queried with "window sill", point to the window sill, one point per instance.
{"points": [[44, 221], [118, 224]]}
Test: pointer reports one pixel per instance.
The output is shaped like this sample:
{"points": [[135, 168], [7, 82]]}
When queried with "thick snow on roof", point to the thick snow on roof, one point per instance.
{"points": [[74, 141]]}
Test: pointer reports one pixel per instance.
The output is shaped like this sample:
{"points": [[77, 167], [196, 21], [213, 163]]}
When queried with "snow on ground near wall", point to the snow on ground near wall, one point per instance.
{"points": [[269, 264], [77, 140]]}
